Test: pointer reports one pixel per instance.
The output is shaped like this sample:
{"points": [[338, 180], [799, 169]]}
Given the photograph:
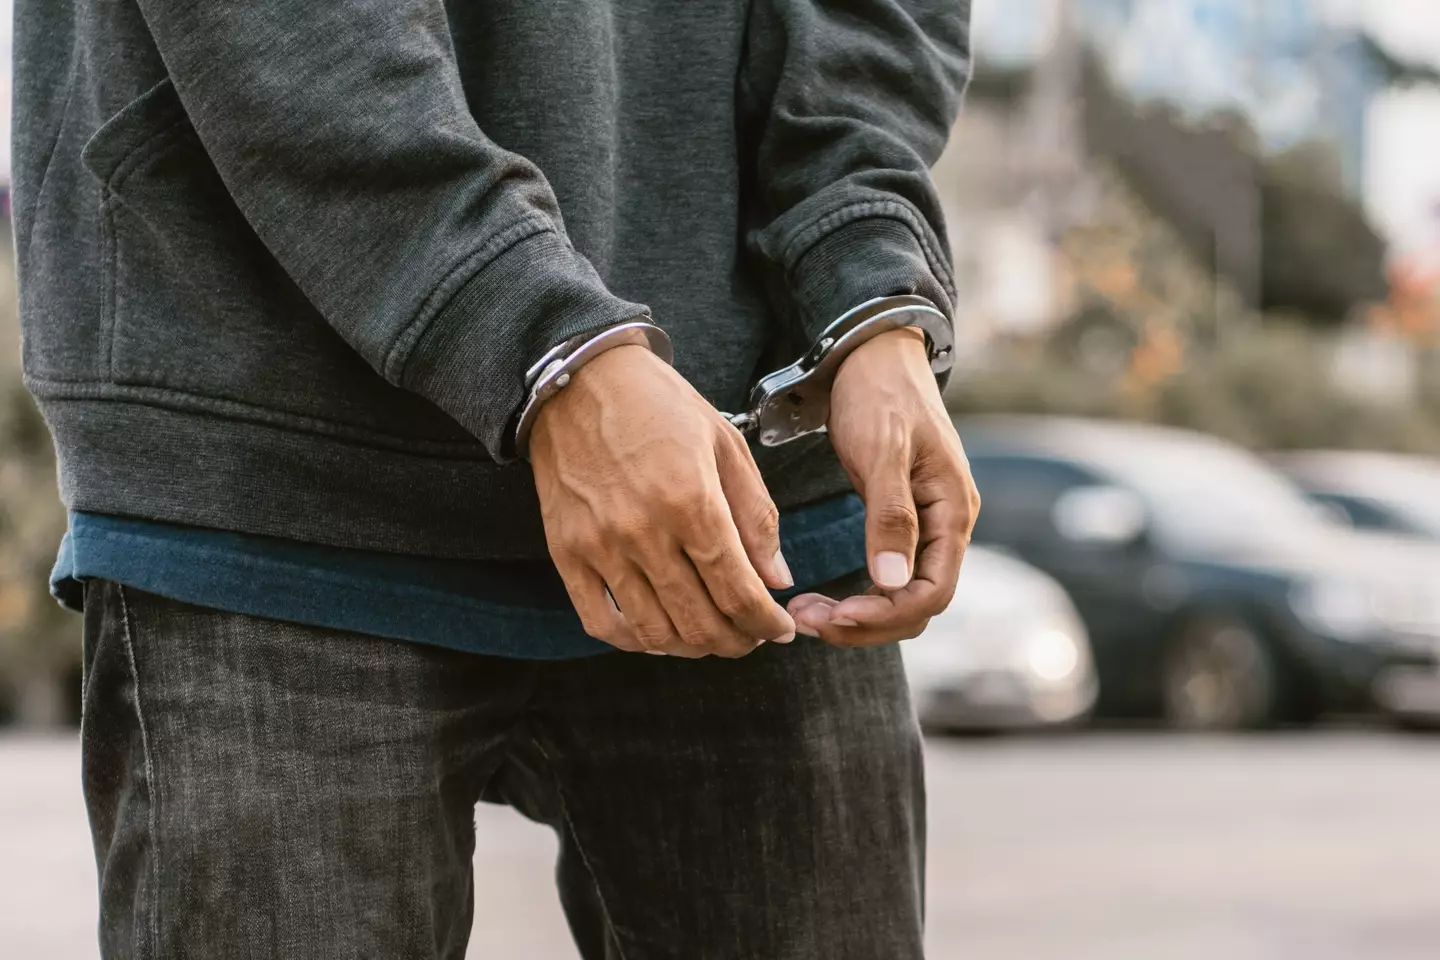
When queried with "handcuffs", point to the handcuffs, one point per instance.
{"points": [[790, 403]]}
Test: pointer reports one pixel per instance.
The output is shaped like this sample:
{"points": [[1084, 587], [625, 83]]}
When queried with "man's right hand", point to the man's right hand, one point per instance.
{"points": [[647, 491]]}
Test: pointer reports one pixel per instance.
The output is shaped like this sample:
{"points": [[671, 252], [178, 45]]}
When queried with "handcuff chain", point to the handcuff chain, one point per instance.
{"points": [[744, 422], [789, 403]]}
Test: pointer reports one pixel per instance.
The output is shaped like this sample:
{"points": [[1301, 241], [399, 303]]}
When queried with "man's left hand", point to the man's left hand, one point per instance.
{"points": [[890, 430]]}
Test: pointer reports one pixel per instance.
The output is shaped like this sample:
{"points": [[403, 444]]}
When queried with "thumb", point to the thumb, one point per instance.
{"points": [[892, 526], [754, 513]]}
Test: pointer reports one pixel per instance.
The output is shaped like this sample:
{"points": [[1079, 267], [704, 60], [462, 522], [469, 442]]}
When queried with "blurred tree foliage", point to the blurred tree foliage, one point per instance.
{"points": [[1322, 257], [39, 642], [1319, 255], [1265, 386]]}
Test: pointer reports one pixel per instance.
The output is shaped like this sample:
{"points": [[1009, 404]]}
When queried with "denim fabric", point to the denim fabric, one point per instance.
{"points": [[283, 263], [259, 789], [508, 608]]}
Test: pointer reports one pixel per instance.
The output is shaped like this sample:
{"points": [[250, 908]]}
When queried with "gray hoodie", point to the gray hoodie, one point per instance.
{"points": [[283, 263]]}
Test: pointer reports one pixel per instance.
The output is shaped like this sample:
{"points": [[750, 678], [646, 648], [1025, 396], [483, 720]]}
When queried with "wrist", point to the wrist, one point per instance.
{"points": [[895, 355], [905, 340], [582, 400], [555, 372], [907, 344]]}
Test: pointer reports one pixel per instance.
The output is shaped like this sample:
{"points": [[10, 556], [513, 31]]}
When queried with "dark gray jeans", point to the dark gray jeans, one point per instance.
{"points": [[261, 789]]}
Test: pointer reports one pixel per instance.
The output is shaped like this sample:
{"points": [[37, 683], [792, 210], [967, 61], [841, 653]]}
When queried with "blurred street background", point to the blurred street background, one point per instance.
{"points": [[1184, 703], [1098, 847]]}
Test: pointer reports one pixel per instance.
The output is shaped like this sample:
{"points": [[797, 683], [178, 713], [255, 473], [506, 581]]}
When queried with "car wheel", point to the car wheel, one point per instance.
{"points": [[1219, 674]]}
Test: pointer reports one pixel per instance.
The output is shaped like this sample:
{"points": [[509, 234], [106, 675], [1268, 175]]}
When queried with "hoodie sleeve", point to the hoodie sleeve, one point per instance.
{"points": [[852, 101], [439, 256]]}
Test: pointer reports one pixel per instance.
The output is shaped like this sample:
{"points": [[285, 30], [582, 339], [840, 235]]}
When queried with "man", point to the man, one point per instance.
{"points": [[370, 457]]}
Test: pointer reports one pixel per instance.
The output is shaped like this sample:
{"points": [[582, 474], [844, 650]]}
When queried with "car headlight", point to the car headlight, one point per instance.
{"points": [[1051, 654], [1338, 608], [1352, 610]]}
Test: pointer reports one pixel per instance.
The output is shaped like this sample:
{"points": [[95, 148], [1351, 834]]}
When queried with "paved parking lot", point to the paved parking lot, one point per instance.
{"points": [[1115, 846]]}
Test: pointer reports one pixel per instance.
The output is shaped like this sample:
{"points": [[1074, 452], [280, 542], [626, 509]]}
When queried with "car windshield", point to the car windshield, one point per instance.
{"points": [[1413, 493], [1210, 497]]}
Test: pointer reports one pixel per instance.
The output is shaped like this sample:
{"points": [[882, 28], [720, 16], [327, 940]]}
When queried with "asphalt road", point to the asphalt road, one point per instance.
{"points": [[1115, 846]]}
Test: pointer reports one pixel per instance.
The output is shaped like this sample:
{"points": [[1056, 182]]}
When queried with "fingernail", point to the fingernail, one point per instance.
{"points": [[892, 570], [843, 622], [809, 631], [657, 653], [784, 639], [782, 570]]}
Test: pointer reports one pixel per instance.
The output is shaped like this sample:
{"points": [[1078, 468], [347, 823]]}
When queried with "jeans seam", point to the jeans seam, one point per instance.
{"points": [[579, 847], [151, 785]]}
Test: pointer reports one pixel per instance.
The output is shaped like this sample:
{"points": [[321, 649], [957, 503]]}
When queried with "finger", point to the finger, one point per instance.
{"points": [[699, 623], [933, 586], [820, 620], [891, 523], [641, 607], [850, 637], [804, 600], [672, 649], [714, 548], [813, 618], [756, 519], [599, 616]]}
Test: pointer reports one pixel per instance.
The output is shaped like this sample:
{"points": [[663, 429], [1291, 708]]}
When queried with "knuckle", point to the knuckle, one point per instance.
{"points": [[973, 509], [565, 538], [742, 605], [673, 503], [899, 517], [767, 520], [628, 527], [652, 635], [729, 603], [715, 555], [698, 635], [688, 514], [583, 544]]}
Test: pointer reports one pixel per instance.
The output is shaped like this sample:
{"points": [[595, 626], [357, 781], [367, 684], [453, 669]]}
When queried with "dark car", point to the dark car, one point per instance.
{"points": [[1371, 491], [1215, 594]]}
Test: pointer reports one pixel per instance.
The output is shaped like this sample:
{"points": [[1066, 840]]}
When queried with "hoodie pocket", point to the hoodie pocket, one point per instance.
{"points": [[120, 143], [193, 301]]}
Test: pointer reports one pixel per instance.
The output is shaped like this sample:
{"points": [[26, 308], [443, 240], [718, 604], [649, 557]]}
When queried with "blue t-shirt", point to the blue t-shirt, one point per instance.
{"points": [[502, 608]]}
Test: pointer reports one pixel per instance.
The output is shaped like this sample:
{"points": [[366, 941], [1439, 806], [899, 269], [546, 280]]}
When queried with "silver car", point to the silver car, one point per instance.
{"points": [[1384, 492], [1009, 653]]}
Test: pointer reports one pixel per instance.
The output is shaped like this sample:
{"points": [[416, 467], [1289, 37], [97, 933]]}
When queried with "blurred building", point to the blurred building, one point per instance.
{"points": [[1295, 75]]}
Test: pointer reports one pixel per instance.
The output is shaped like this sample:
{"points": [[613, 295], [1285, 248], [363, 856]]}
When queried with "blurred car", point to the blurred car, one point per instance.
{"points": [[1214, 593], [1371, 491], [1009, 653]]}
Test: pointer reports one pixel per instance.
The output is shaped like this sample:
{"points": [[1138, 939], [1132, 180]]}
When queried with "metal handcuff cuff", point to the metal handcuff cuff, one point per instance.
{"points": [[785, 405]]}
